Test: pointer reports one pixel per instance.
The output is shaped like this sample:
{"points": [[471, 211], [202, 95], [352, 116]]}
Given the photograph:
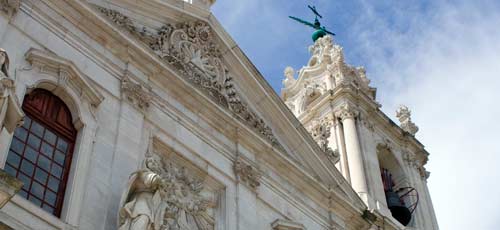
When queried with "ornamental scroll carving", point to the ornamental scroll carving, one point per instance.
{"points": [[162, 196], [191, 50], [10, 7], [137, 94], [247, 173], [320, 132], [325, 52]]}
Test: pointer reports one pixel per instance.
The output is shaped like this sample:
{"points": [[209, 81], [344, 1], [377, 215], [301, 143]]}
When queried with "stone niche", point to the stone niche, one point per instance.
{"points": [[183, 195]]}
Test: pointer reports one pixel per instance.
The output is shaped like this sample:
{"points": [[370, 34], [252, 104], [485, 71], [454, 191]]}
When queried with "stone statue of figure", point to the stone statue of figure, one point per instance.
{"points": [[289, 77], [11, 114], [141, 207], [162, 196]]}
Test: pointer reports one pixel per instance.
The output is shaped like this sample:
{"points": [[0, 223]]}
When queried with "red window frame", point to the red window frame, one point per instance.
{"points": [[44, 144]]}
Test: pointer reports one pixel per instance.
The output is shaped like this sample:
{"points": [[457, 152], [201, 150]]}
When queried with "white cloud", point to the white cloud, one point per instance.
{"points": [[446, 67]]}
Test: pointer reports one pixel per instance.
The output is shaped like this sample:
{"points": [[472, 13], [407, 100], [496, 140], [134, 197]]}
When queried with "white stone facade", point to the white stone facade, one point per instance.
{"points": [[163, 79], [332, 96]]}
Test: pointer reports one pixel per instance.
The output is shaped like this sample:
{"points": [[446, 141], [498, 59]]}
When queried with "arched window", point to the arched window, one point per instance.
{"points": [[41, 150]]}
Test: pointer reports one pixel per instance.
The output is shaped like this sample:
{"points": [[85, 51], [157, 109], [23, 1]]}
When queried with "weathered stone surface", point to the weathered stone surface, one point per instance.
{"points": [[9, 186], [232, 155]]}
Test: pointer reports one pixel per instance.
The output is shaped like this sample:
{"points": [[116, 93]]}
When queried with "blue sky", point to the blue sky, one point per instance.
{"points": [[441, 58]]}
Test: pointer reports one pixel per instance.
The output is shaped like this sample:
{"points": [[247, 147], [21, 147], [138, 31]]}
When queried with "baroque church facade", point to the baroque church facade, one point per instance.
{"points": [[145, 114]]}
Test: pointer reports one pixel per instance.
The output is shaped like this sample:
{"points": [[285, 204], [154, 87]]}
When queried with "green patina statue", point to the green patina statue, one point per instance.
{"points": [[320, 30]]}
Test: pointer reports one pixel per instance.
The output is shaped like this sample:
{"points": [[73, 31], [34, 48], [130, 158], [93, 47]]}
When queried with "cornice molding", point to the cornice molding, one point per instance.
{"points": [[67, 73]]}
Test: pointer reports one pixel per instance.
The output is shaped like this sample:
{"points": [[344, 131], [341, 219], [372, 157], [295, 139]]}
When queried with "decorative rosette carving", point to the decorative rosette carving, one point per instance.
{"points": [[190, 49]]}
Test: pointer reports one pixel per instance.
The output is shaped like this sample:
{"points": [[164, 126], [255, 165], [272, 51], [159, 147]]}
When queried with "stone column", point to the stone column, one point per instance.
{"points": [[353, 149], [339, 134]]}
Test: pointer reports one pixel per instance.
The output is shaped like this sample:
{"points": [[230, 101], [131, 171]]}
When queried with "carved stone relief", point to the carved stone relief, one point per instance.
{"points": [[164, 196], [11, 114], [191, 50], [137, 94], [289, 77], [247, 174], [320, 132], [9, 7], [332, 55]]}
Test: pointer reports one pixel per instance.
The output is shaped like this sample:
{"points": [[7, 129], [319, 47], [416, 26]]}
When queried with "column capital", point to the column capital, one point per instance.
{"points": [[346, 111]]}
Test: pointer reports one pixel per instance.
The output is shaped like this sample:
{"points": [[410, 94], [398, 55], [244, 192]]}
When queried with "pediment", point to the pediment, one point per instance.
{"points": [[194, 50], [66, 72], [189, 48]]}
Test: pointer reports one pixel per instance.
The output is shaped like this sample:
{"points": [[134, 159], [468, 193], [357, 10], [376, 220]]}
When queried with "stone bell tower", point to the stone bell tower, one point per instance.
{"points": [[324, 97], [335, 102]]}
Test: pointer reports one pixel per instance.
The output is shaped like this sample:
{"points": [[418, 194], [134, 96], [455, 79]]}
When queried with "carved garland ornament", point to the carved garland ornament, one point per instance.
{"points": [[247, 174], [136, 93], [190, 49], [163, 196]]}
